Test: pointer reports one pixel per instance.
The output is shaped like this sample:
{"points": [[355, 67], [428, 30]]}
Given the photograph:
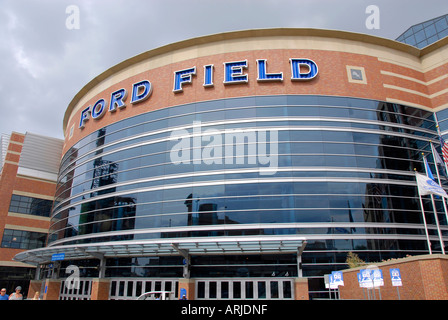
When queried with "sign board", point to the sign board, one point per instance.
{"points": [[395, 276], [338, 278], [365, 278], [334, 280], [327, 281], [377, 276], [183, 292], [359, 276], [370, 278], [58, 257], [235, 72], [332, 284]]}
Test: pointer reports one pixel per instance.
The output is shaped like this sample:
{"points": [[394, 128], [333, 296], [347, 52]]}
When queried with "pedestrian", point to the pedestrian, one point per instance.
{"points": [[3, 295], [16, 295], [36, 296]]}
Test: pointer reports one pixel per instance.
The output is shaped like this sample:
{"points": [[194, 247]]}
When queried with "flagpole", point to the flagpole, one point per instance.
{"points": [[444, 160], [433, 150], [439, 133], [442, 245], [441, 146], [423, 215]]}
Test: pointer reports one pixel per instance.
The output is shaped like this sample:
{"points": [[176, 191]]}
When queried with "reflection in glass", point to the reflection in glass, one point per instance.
{"points": [[345, 169]]}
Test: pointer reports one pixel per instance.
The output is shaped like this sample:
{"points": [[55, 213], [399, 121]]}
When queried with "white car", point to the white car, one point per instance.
{"points": [[157, 295]]}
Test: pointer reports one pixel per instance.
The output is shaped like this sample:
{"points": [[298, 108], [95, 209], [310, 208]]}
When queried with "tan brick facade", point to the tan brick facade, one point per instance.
{"points": [[10, 183]]}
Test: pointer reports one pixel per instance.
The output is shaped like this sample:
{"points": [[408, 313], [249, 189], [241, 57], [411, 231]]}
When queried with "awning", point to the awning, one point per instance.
{"points": [[166, 247]]}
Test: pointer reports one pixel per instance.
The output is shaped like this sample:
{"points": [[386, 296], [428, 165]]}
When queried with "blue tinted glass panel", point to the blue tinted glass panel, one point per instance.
{"points": [[411, 40], [408, 33], [420, 36], [417, 27], [443, 34], [441, 24], [433, 39], [422, 44], [430, 30]]}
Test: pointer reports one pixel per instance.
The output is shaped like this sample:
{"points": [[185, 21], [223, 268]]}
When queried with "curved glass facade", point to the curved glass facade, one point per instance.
{"points": [[340, 172]]}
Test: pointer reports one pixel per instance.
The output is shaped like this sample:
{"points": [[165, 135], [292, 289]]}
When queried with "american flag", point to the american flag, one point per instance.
{"points": [[444, 146]]}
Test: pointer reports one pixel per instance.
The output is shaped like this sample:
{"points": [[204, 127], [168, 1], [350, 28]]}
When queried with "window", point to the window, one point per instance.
{"points": [[19, 239], [356, 74], [28, 205]]}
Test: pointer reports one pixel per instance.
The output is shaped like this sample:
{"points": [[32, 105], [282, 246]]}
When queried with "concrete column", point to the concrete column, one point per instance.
{"points": [[37, 272], [102, 271], [189, 286], [52, 289], [100, 289], [301, 289]]}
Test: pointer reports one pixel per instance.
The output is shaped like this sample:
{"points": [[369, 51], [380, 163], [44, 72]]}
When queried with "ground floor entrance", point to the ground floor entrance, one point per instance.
{"points": [[196, 289], [244, 288], [240, 267]]}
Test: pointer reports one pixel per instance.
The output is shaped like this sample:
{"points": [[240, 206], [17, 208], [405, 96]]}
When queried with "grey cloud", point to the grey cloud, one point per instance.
{"points": [[44, 64]]}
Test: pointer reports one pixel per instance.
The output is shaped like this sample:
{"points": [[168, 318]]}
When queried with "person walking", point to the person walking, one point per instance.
{"points": [[3, 295], [16, 295]]}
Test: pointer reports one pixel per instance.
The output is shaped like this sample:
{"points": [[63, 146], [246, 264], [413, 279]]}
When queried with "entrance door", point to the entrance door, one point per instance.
{"points": [[245, 288]]}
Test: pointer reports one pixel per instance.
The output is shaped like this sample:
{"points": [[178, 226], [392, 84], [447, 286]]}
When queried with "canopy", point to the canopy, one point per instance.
{"points": [[163, 247]]}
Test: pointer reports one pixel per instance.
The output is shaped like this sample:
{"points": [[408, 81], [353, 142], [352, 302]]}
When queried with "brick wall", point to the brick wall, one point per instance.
{"points": [[424, 277], [11, 183]]}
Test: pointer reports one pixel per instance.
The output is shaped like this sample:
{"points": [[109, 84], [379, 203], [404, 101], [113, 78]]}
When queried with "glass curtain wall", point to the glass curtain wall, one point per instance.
{"points": [[339, 171]]}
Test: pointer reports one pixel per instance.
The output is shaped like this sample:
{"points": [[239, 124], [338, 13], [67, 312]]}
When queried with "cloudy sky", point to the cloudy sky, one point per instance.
{"points": [[44, 64]]}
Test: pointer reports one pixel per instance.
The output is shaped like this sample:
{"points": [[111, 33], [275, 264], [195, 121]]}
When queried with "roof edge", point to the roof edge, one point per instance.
{"points": [[233, 35]]}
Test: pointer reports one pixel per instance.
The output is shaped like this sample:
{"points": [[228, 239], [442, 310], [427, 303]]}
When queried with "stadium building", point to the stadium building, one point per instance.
{"points": [[246, 165]]}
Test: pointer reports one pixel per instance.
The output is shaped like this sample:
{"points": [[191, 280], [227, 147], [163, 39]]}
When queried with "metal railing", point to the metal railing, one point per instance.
{"points": [[81, 291], [132, 288]]}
